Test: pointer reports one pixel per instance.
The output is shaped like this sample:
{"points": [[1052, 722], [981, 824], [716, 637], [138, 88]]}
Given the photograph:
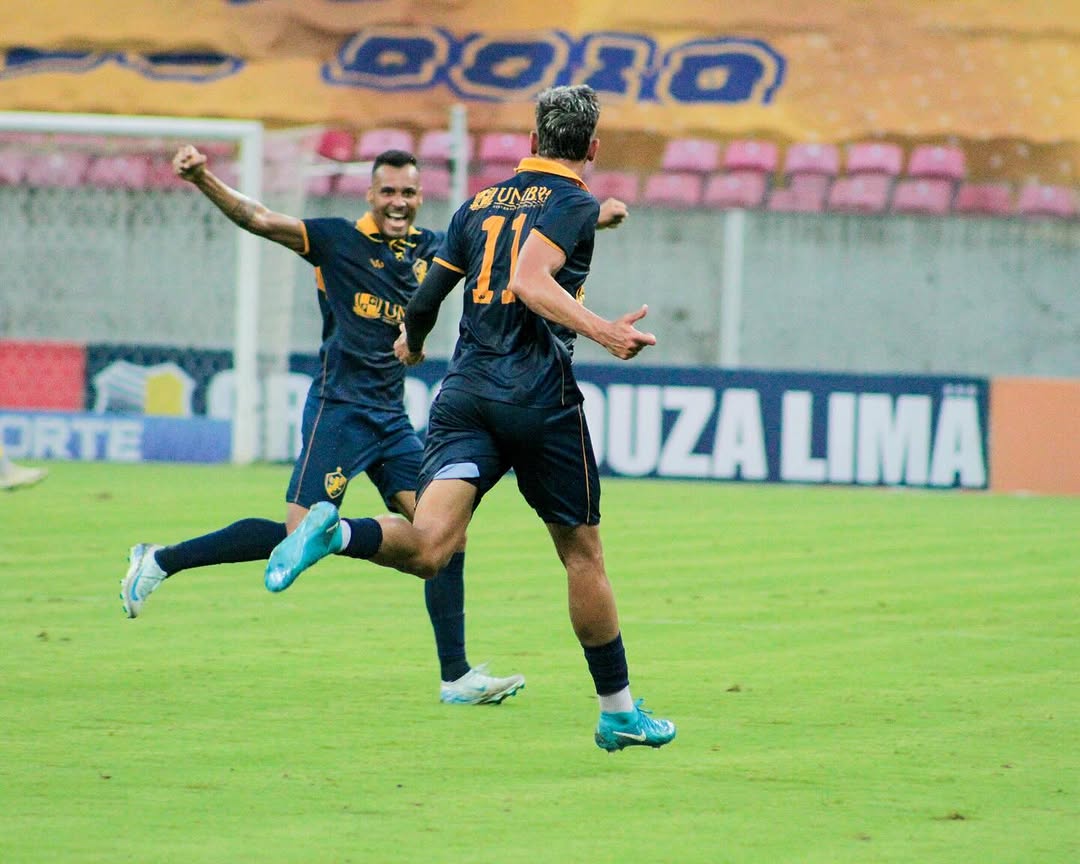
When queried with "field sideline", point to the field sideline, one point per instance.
{"points": [[858, 675]]}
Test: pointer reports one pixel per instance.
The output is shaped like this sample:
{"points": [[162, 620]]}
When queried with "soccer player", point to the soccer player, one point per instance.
{"points": [[354, 419], [509, 398], [14, 476]]}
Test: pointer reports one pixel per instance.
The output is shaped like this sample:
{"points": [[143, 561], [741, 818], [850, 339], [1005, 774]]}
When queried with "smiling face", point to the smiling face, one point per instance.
{"points": [[395, 197]]}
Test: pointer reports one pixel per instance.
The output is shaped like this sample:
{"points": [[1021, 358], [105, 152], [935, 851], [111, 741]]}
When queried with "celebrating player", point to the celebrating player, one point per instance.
{"points": [[509, 398], [354, 419]]}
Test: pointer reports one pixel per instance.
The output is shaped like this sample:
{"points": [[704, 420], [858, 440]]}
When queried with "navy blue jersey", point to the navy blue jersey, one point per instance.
{"points": [[506, 352], [364, 282]]}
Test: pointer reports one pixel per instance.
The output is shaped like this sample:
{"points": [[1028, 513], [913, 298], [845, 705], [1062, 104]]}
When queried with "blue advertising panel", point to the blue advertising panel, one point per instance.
{"points": [[114, 438], [646, 421], [789, 427]]}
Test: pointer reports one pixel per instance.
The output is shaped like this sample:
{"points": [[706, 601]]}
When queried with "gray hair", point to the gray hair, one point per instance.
{"points": [[566, 120]]}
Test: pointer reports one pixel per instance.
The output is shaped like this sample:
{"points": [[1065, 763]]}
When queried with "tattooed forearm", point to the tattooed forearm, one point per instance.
{"points": [[241, 211]]}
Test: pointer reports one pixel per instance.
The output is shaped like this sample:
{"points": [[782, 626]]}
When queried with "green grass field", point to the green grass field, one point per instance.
{"points": [[857, 676]]}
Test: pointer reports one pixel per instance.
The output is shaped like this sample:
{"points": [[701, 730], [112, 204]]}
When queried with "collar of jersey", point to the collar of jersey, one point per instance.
{"points": [[550, 166], [366, 225]]}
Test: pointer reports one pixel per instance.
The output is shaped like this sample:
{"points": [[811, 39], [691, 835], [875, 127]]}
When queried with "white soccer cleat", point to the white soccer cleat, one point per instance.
{"points": [[19, 477], [476, 687], [142, 578]]}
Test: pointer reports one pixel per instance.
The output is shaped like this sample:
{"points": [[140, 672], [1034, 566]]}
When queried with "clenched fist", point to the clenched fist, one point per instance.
{"points": [[189, 163]]}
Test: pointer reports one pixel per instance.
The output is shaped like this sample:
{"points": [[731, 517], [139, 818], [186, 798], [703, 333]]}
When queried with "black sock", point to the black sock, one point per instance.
{"points": [[445, 599], [365, 540], [607, 665], [246, 540]]}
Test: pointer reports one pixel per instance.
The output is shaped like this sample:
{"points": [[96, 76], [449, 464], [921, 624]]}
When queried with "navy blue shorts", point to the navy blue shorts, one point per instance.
{"points": [[549, 449], [341, 440]]}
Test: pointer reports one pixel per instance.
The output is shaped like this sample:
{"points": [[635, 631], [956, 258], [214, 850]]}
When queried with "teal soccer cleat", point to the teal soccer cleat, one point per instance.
{"points": [[316, 537], [632, 729]]}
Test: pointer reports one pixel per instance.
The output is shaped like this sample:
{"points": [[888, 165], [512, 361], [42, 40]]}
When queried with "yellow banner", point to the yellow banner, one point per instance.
{"points": [[827, 70]]}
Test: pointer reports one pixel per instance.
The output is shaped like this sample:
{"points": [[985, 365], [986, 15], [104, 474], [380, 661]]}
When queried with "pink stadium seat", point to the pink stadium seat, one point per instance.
{"points": [[744, 189], [435, 183], [319, 185], [375, 141], [352, 185], [875, 157], [937, 163], [691, 154], [676, 189], [614, 184], [864, 193], [336, 144], [277, 148], [812, 159], [64, 169], [794, 200], [218, 150], [810, 169], [488, 175], [13, 162], [923, 197], [506, 148], [1037, 199], [434, 146], [987, 199], [750, 156], [119, 171], [160, 174]]}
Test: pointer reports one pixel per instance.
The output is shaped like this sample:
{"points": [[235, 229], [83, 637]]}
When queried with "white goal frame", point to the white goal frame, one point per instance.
{"points": [[248, 136]]}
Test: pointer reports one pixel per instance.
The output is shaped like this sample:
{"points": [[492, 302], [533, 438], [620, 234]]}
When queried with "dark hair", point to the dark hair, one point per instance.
{"points": [[393, 158], [566, 120]]}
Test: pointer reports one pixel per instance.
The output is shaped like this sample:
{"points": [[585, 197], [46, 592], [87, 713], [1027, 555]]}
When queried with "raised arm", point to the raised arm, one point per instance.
{"points": [[249, 214], [535, 285]]}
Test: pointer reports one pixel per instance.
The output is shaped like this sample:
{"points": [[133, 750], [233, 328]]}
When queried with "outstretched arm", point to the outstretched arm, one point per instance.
{"points": [[534, 284], [249, 214]]}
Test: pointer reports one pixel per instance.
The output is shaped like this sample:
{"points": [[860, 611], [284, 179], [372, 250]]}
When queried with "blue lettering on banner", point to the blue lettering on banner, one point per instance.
{"points": [[479, 66], [787, 427], [31, 61], [502, 67], [196, 67], [507, 67], [721, 70], [614, 63], [392, 58], [110, 438], [187, 66]]}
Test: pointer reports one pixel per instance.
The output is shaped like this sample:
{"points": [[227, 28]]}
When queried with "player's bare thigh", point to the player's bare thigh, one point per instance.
{"points": [[438, 530]]}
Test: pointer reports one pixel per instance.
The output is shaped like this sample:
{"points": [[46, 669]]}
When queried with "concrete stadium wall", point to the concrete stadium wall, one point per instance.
{"points": [[822, 292]]}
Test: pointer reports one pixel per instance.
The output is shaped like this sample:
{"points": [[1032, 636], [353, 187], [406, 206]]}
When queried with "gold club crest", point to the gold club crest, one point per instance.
{"points": [[335, 483], [419, 269]]}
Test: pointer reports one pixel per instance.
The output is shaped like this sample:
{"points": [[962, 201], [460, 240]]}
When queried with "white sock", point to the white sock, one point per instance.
{"points": [[346, 535], [617, 703]]}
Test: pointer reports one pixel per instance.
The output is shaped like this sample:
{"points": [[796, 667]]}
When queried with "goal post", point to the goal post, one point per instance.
{"points": [[247, 137]]}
